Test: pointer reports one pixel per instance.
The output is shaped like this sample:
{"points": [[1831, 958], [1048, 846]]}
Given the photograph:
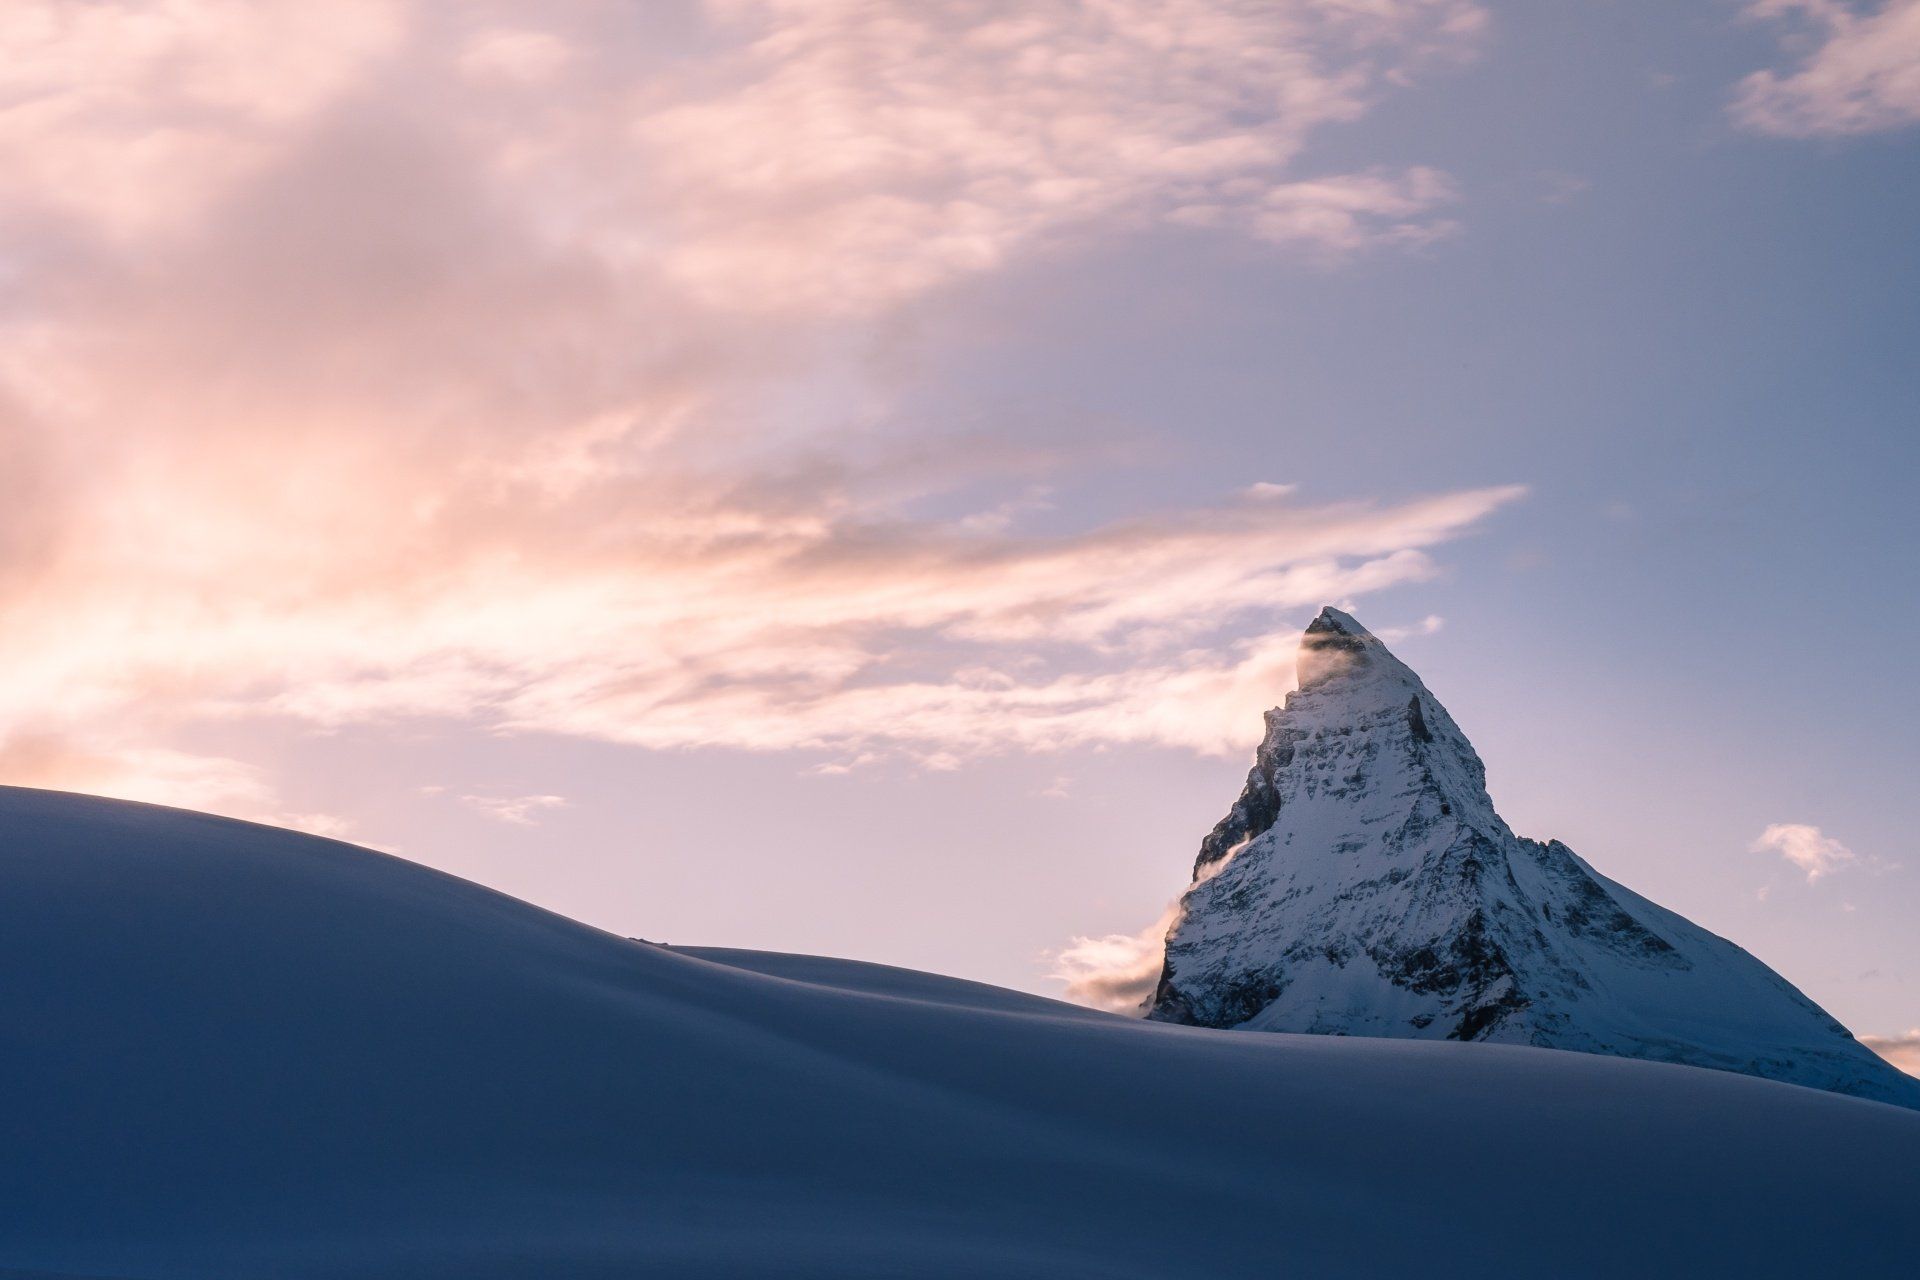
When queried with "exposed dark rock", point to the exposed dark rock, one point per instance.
{"points": [[1417, 723]]}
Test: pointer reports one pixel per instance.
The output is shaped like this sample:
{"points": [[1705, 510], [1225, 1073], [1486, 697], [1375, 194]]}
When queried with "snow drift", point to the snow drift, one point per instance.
{"points": [[237, 1052]]}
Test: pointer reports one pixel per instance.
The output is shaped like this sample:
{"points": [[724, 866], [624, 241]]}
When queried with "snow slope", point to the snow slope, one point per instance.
{"points": [[1363, 885], [231, 1051]]}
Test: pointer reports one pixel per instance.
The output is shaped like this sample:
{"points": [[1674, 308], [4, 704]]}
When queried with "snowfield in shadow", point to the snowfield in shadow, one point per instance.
{"points": [[232, 1051]]}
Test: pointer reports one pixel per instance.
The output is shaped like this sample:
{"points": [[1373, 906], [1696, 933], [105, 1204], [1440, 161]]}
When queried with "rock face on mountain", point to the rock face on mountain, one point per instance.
{"points": [[1362, 884]]}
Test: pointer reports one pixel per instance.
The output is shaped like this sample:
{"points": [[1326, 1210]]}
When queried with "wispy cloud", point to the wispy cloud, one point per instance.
{"points": [[1859, 71], [850, 154], [1902, 1051], [135, 117], [1335, 217], [516, 810], [1806, 847], [109, 763], [488, 365], [1429, 625], [1557, 186]]}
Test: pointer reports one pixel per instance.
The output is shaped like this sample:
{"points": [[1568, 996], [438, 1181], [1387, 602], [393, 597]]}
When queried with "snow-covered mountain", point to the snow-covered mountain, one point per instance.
{"points": [[229, 1052], [1363, 885]]}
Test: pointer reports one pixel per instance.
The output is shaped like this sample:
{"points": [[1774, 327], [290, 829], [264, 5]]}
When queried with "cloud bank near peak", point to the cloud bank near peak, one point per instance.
{"points": [[1116, 972]]}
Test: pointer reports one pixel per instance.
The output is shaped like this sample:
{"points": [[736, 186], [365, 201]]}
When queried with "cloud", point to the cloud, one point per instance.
{"points": [[1806, 848], [1902, 1051], [1116, 972], [853, 153], [152, 774], [1335, 217], [1860, 72], [514, 54], [155, 775], [507, 370], [516, 810], [134, 116], [1429, 625], [1557, 186]]}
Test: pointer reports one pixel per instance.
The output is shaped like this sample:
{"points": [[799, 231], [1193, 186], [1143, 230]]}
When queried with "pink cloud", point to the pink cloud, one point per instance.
{"points": [[130, 770], [515, 54], [1806, 847], [1860, 72], [1117, 971], [133, 116], [853, 154], [1902, 1051], [514, 810], [456, 363]]}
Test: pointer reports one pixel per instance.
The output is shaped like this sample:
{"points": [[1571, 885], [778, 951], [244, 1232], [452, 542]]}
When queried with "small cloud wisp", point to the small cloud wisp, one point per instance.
{"points": [[1806, 847]]}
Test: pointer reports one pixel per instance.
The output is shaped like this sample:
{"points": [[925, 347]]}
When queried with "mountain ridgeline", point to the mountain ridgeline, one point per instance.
{"points": [[1363, 885]]}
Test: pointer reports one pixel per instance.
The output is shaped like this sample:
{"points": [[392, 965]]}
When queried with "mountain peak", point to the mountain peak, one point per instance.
{"points": [[1336, 645], [1364, 884], [1332, 619]]}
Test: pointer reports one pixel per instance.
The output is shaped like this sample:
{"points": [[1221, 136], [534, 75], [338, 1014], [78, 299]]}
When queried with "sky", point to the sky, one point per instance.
{"points": [[846, 476]]}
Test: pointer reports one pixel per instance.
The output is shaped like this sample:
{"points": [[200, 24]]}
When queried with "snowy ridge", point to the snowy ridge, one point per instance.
{"points": [[1364, 885], [229, 1052]]}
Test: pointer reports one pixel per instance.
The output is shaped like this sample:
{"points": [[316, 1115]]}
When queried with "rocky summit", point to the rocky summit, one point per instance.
{"points": [[1363, 885]]}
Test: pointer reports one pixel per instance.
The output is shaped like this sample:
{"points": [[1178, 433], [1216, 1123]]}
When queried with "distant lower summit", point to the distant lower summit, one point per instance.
{"points": [[1362, 884]]}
